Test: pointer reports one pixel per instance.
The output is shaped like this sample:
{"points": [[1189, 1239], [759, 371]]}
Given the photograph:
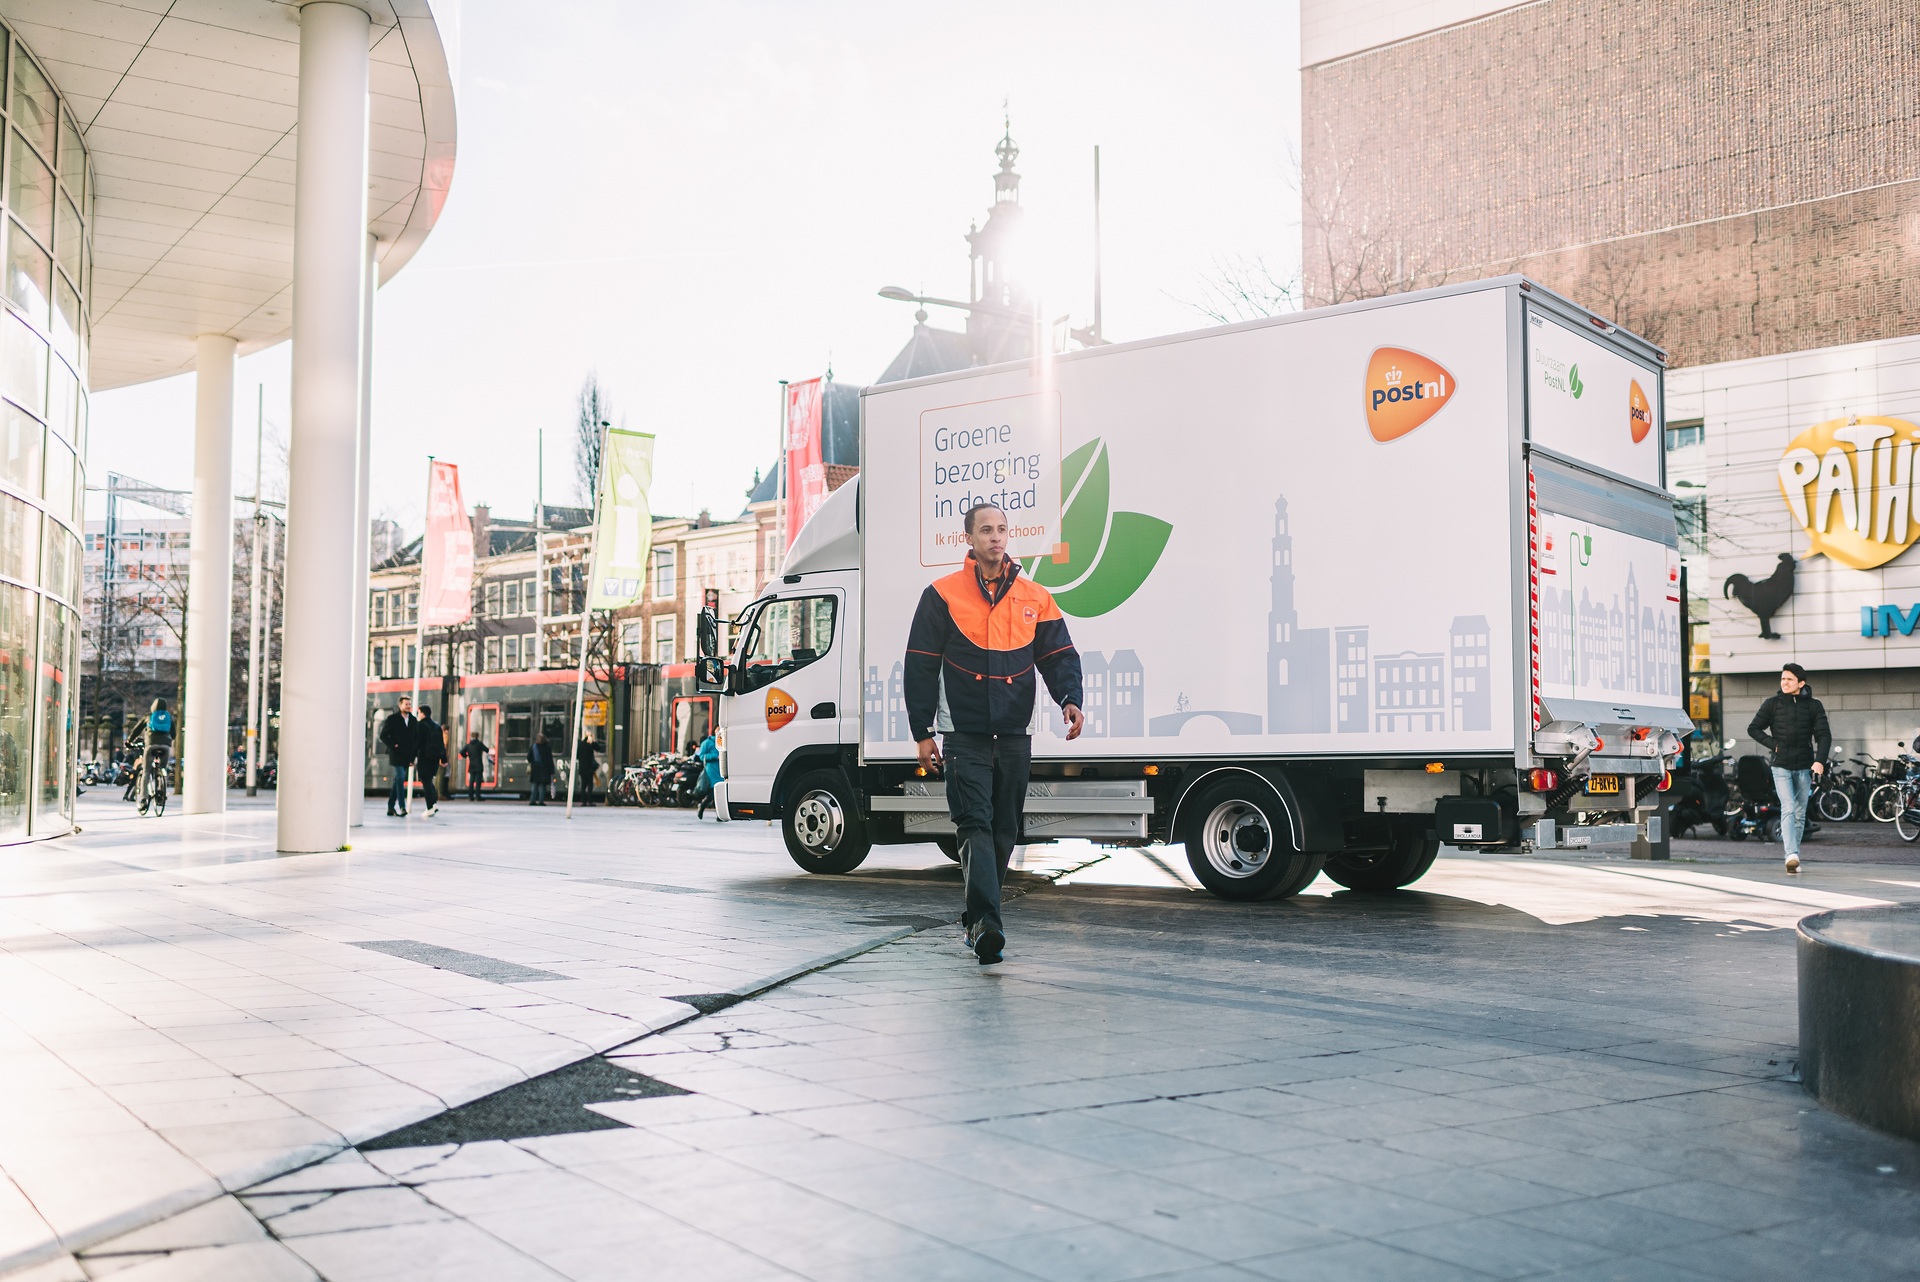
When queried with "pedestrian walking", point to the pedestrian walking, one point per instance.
{"points": [[709, 754], [396, 736], [476, 754], [539, 771], [429, 754], [978, 636], [1792, 726], [586, 766]]}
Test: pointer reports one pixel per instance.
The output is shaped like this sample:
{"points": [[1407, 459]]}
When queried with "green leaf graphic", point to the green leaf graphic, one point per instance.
{"points": [[1106, 561], [1574, 384], [1083, 524], [1133, 548]]}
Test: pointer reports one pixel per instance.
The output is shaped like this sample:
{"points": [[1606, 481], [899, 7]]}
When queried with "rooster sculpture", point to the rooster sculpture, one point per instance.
{"points": [[1766, 596]]}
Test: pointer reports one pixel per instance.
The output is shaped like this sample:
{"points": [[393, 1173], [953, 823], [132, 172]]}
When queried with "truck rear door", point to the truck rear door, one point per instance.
{"points": [[1604, 548]]}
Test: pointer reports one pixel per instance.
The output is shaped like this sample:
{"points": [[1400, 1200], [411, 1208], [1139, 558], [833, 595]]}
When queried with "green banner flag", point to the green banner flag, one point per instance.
{"points": [[623, 525]]}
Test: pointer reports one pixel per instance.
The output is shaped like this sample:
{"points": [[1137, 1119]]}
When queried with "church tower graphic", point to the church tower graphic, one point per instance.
{"points": [[1299, 687]]}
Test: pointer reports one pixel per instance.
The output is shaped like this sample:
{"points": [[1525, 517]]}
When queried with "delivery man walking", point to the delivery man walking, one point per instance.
{"points": [[1792, 725], [977, 638]]}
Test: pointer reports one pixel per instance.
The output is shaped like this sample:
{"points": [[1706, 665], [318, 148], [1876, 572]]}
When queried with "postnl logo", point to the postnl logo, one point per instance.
{"points": [[1849, 484], [780, 708], [1639, 412], [1404, 390]]}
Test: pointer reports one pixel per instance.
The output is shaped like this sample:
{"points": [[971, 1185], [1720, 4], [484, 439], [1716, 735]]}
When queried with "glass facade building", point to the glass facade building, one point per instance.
{"points": [[46, 195]]}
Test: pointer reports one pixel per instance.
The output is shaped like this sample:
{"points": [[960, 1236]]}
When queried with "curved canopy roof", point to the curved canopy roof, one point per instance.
{"points": [[188, 109]]}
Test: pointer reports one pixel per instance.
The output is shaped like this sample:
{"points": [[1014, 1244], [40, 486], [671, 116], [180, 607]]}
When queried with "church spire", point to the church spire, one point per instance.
{"points": [[1006, 183]]}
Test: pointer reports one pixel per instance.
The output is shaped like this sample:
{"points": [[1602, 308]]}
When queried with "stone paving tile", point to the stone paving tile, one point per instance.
{"points": [[1096, 1253], [1498, 1247]]}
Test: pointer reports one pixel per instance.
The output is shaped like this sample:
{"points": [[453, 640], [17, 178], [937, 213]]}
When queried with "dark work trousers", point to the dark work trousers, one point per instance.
{"points": [[987, 798], [473, 783], [429, 793], [397, 793]]}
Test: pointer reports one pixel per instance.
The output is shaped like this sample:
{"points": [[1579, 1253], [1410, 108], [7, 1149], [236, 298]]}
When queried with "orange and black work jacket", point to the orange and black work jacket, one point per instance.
{"points": [[973, 650]]}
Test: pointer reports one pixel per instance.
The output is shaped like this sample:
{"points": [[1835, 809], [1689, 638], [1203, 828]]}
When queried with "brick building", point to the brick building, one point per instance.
{"points": [[1739, 183]]}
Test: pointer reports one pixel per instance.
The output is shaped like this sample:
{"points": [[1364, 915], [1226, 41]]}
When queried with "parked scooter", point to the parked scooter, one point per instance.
{"points": [[1697, 797], [1755, 812]]}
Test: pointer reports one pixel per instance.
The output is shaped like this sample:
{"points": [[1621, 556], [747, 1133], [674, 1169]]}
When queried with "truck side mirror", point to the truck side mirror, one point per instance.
{"points": [[708, 629], [710, 675]]}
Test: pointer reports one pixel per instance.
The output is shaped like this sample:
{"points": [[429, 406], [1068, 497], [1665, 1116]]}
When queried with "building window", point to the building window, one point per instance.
{"points": [[379, 609], [510, 597], [632, 643], [773, 553], [376, 661], [1686, 432], [413, 606], [663, 639], [413, 657], [665, 564], [492, 606], [493, 654], [529, 597], [510, 650]]}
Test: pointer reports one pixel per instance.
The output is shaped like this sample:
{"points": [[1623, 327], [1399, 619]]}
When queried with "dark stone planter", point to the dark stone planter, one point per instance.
{"points": [[1860, 1014]]}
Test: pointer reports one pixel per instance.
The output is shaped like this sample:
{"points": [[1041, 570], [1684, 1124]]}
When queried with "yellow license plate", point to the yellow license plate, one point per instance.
{"points": [[1598, 784]]}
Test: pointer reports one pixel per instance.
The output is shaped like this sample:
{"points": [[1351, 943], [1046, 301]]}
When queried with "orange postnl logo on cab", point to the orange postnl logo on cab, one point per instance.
{"points": [[1639, 412], [1404, 390], [780, 708]]}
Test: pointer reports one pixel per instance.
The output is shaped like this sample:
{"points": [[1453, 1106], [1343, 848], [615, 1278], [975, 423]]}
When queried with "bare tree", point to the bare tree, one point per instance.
{"points": [[1247, 289], [1351, 249], [593, 411]]}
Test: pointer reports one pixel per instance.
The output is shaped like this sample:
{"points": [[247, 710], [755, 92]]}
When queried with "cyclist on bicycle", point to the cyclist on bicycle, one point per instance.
{"points": [[156, 761]]}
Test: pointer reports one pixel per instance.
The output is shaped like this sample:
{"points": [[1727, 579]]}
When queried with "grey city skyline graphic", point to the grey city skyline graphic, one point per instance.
{"points": [[1318, 680], [1623, 648]]}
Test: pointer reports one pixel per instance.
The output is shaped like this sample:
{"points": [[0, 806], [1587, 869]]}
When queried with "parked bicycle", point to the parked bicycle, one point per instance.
{"points": [[1883, 803], [1841, 793], [1906, 811]]}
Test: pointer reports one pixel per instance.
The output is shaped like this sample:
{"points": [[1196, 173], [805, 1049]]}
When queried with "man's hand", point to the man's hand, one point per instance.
{"points": [[1819, 768], [929, 754], [1075, 719]]}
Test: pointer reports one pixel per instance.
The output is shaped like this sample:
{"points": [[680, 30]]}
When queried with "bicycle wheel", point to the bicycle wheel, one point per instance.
{"points": [[1834, 805], [1884, 803], [1907, 821]]}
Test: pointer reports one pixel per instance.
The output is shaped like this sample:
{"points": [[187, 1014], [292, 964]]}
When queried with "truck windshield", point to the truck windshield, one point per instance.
{"points": [[786, 635]]}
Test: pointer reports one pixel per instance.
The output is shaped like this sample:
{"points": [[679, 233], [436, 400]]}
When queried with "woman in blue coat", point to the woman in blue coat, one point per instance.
{"points": [[709, 754]]}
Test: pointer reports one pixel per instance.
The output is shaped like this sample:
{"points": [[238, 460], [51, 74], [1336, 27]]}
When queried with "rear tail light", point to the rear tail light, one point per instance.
{"points": [[1666, 781], [1542, 780], [1599, 744]]}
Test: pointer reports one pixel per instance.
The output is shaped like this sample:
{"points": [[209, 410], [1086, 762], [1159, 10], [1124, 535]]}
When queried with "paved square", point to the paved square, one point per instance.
{"points": [[1527, 1068]]}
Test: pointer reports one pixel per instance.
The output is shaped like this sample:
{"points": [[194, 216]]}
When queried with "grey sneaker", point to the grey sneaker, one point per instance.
{"points": [[1793, 863]]}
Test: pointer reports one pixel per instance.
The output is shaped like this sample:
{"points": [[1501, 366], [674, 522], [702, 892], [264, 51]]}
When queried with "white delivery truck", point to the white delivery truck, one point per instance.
{"points": [[1345, 584]]}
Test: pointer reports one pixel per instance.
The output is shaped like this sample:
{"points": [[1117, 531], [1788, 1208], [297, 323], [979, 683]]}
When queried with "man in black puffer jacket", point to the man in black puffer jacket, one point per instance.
{"points": [[1792, 725]]}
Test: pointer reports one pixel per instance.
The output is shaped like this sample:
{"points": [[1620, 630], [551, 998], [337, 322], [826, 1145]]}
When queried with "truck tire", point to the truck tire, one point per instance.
{"points": [[1404, 862], [823, 826], [1239, 846], [949, 846]]}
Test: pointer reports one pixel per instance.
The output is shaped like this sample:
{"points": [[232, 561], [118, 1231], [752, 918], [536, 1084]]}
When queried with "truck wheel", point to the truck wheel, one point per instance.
{"points": [[1404, 862], [823, 827], [1239, 847], [949, 846]]}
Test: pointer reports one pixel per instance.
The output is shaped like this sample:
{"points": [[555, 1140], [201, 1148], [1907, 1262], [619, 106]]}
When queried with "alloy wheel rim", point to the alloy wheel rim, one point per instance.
{"points": [[1237, 839], [819, 821]]}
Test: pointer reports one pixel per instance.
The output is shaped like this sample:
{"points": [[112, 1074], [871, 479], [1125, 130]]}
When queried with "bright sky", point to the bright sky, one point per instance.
{"points": [[699, 200]]}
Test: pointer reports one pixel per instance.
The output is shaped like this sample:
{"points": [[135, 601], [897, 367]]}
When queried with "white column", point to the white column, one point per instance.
{"points": [[357, 605], [329, 255], [203, 759]]}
